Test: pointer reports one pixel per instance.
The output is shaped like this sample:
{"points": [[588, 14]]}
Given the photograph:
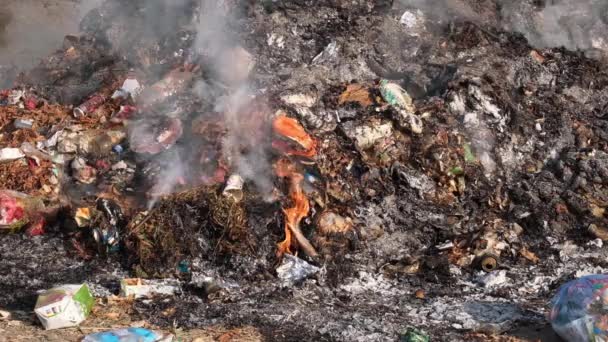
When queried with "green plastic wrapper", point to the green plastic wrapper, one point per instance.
{"points": [[415, 335]]}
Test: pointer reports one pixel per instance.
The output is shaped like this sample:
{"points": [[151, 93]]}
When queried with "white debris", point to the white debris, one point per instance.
{"points": [[596, 243], [294, 270], [414, 22], [132, 86], [299, 100], [489, 165], [9, 154], [138, 288], [415, 123], [457, 106], [273, 40], [494, 279], [417, 180], [367, 136], [234, 187], [471, 120], [485, 102], [589, 270], [121, 165], [567, 250], [445, 246], [329, 53], [455, 270], [14, 96], [368, 282]]}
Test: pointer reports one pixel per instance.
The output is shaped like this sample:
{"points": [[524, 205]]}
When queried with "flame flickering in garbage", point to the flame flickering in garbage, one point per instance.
{"points": [[295, 214], [291, 129], [284, 168]]}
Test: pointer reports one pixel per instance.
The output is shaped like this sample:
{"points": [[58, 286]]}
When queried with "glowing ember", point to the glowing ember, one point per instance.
{"points": [[291, 129]]}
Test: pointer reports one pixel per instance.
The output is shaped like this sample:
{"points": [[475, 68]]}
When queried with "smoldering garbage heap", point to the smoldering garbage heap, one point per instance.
{"points": [[410, 154]]}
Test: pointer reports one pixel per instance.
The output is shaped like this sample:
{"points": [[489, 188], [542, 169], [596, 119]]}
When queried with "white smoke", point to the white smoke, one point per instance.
{"points": [[580, 24], [244, 116], [572, 24]]}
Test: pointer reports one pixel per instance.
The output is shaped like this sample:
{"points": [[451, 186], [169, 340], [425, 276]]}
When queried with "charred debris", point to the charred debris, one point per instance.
{"points": [[285, 158]]}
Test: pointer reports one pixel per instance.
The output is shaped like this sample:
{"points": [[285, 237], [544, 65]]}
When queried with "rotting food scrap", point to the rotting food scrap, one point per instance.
{"points": [[291, 129]]}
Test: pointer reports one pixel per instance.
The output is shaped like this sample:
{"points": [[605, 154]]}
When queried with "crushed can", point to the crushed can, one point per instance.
{"points": [[107, 233], [89, 106], [64, 306]]}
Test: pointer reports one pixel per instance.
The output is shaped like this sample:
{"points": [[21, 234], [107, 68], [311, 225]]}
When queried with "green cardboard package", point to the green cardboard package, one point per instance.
{"points": [[64, 306]]}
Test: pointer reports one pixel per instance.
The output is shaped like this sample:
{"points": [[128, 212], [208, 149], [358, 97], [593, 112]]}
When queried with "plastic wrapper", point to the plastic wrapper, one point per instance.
{"points": [[148, 287], [128, 335], [579, 310], [18, 209], [294, 270]]}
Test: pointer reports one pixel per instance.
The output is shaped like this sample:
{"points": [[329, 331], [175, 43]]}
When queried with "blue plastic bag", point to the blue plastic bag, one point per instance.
{"points": [[579, 310], [128, 335]]}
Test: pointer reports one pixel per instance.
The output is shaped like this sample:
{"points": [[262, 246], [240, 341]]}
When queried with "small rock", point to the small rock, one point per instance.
{"points": [[420, 294]]}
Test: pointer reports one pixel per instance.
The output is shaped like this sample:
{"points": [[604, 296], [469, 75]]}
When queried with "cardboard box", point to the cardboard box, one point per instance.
{"points": [[64, 306]]}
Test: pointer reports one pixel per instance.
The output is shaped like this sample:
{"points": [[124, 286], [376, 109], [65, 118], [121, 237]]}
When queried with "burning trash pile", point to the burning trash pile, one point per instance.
{"points": [[370, 170]]}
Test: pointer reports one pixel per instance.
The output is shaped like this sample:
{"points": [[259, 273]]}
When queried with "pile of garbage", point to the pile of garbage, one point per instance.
{"points": [[408, 172]]}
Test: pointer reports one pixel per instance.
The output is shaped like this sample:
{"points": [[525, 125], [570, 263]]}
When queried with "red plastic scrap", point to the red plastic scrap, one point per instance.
{"points": [[102, 165], [31, 103], [10, 210], [125, 113], [36, 228]]}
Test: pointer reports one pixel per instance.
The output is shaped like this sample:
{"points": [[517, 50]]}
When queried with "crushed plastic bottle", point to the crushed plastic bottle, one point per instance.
{"points": [[129, 335], [578, 310]]}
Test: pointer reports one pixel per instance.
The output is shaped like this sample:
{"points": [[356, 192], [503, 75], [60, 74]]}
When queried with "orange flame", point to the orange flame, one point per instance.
{"points": [[295, 214], [290, 128]]}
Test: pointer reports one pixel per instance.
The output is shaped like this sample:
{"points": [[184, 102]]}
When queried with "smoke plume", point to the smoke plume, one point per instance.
{"points": [[571, 24], [575, 25]]}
